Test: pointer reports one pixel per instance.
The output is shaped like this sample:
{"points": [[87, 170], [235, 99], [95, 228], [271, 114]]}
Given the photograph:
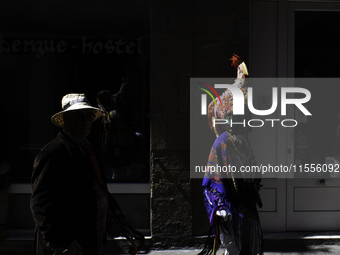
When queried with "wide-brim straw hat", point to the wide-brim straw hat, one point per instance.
{"points": [[74, 102]]}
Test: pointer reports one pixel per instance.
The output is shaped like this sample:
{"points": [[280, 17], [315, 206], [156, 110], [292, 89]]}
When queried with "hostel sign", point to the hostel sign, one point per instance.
{"points": [[84, 45]]}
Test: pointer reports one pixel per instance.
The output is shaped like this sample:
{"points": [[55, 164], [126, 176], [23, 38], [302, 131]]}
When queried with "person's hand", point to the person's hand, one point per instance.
{"points": [[4, 167], [73, 248]]}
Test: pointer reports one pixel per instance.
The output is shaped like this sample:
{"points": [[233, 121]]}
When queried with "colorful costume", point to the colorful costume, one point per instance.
{"points": [[231, 197], [230, 202]]}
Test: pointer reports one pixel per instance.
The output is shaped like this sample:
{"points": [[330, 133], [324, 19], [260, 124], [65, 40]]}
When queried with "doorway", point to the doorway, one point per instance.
{"points": [[300, 39], [312, 196]]}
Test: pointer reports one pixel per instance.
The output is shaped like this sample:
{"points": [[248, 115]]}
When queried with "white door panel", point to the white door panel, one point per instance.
{"points": [[311, 206], [292, 204]]}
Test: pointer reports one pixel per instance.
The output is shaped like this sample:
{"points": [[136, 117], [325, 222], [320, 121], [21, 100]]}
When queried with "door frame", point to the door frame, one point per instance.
{"points": [[293, 221]]}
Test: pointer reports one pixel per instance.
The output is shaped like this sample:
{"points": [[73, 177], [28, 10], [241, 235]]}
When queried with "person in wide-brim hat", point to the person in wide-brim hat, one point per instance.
{"points": [[74, 102], [70, 201]]}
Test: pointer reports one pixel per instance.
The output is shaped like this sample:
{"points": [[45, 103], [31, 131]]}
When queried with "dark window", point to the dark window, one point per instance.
{"points": [[75, 47]]}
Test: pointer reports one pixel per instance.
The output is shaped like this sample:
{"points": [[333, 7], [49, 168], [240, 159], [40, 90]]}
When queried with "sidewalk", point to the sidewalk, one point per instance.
{"points": [[290, 243], [277, 247], [313, 250], [321, 251]]}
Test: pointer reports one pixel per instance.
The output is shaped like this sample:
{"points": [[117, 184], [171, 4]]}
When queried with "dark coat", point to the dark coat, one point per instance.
{"points": [[63, 201]]}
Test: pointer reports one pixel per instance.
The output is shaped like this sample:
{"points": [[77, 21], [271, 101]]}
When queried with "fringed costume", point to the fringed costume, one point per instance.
{"points": [[230, 199]]}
